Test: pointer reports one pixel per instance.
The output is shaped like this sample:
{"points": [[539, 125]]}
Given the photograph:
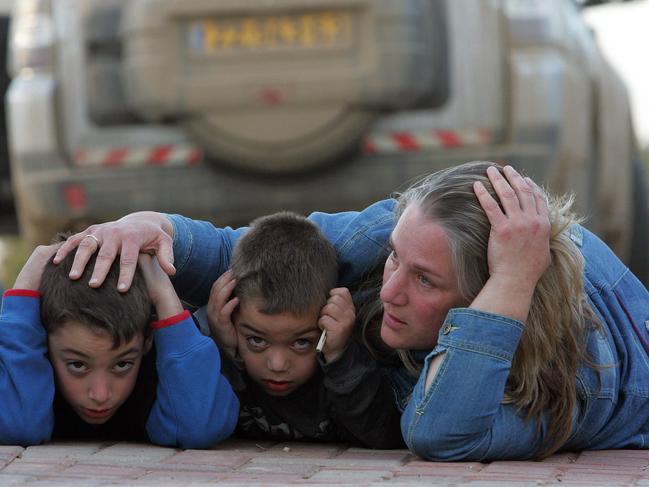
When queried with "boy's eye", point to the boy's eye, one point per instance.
{"points": [[302, 344], [123, 366], [256, 342], [77, 367]]}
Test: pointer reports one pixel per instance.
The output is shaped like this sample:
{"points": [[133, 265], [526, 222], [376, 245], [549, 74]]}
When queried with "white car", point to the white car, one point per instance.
{"points": [[225, 110]]}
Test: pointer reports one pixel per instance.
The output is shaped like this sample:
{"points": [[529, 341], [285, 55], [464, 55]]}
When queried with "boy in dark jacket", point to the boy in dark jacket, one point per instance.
{"points": [[268, 313]]}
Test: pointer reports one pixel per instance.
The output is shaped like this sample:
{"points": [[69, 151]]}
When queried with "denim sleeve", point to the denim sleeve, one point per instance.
{"points": [[26, 377], [195, 406], [360, 237], [202, 252], [461, 416]]}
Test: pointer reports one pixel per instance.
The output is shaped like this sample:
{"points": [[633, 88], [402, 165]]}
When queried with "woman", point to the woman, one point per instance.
{"points": [[531, 329]]}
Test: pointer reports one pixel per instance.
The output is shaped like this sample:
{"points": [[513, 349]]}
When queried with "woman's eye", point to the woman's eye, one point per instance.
{"points": [[393, 256], [424, 281], [123, 366], [256, 342], [302, 344], [77, 367]]}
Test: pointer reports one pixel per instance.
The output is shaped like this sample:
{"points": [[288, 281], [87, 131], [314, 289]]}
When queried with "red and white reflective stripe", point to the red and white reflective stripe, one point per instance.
{"points": [[393, 142], [160, 155]]}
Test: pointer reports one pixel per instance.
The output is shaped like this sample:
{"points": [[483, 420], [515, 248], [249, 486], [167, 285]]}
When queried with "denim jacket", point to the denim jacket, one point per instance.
{"points": [[202, 252], [461, 416]]}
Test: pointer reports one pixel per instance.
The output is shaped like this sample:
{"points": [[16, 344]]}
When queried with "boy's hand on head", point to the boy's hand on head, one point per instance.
{"points": [[337, 317], [144, 231], [161, 291], [31, 273], [220, 307]]}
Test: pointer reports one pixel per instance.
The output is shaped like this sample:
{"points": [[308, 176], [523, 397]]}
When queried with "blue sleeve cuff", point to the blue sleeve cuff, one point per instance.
{"points": [[179, 338], [480, 332]]}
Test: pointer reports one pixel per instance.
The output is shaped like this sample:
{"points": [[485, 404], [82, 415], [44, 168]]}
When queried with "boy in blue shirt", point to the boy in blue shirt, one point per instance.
{"points": [[111, 374]]}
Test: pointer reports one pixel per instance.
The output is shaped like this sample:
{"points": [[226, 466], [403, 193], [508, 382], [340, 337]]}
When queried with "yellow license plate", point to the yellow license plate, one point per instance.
{"points": [[273, 32]]}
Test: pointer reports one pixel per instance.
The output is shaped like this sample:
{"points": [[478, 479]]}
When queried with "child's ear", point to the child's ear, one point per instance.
{"points": [[148, 343]]}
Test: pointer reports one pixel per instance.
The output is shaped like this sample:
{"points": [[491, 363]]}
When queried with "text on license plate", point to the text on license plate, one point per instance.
{"points": [[297, 31]]}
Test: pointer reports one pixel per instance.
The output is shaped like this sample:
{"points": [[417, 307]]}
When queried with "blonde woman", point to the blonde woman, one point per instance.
{"points": [[521, 333]]}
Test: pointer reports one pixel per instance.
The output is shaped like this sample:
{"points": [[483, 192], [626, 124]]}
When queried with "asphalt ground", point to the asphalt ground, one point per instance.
{"points": [[243, 463]]}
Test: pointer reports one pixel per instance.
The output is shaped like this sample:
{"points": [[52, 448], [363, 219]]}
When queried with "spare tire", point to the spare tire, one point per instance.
{"points": [[280, 140]]}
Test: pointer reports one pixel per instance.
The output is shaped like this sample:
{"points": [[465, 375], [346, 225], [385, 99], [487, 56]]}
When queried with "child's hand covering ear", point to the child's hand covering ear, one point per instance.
{"points": [[219, 313], [337, 317]]}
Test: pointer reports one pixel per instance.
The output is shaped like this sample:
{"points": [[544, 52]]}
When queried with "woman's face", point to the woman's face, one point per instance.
{"points": [[419, 283]]}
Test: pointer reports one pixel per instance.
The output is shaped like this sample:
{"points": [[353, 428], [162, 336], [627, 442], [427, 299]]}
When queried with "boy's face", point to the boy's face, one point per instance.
{"points": [[94, 378], [278, 350]]}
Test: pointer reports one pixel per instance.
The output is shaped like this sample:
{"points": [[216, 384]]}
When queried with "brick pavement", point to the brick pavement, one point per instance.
{"points": [[238, 463]]}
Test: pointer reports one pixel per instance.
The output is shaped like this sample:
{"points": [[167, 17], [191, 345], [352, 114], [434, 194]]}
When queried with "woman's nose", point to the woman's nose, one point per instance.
{"points": [[393, 290]]}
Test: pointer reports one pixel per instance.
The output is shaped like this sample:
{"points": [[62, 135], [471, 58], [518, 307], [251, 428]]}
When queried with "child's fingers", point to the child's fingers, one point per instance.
{"points": [[223, 287], [228, 308], [340, 292]]}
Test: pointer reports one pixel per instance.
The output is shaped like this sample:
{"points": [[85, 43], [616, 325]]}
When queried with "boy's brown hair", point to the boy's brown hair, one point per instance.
{"points": [[122, 315], [286, 262]]}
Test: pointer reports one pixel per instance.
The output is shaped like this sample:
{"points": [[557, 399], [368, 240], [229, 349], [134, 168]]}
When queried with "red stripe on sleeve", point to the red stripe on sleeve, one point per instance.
{"points": [[26, 293], [172, 320]]}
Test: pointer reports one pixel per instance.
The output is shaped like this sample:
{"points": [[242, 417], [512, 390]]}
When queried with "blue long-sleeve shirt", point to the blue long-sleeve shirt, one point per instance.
{"points": [[194, 405]]}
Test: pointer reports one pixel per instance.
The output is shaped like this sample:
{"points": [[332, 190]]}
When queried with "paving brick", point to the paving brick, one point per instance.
{"points": [[135, 452], [303, 469], [103, 471], [264, 478], [366, 475], [241, 445], [8, 479], [619, 458], [377, 456], [303, 449], [8, 453], [70, 450], [598, 477], [180, 477], [38, 467], [421, 467], [209, 457], [521, 468]]}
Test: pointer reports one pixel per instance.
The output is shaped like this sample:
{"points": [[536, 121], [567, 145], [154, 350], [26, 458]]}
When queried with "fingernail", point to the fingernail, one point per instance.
{"points": [[93, 281], [121, 286], [74, 273]]}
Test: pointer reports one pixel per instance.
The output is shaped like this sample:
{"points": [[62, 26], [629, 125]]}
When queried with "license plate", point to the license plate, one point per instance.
{"points": [[268, 33]]}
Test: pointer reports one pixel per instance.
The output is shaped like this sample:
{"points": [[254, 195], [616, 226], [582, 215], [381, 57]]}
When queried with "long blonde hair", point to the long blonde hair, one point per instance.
{"points": [[552, 347]]}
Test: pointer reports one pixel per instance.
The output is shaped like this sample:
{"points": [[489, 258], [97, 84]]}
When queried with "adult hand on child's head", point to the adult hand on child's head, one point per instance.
{"points": [[220, 307], [145, 231], [31, 273], [337, 317]]}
